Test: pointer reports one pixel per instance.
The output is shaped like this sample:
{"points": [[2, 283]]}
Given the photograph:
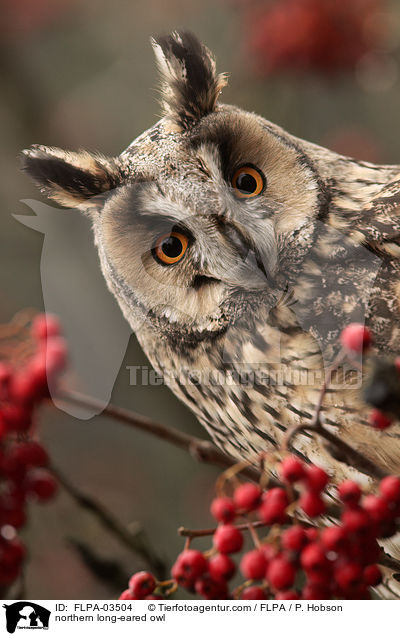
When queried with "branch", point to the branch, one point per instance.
{"points": [[135, 542], [207, 532], [200, 449]]}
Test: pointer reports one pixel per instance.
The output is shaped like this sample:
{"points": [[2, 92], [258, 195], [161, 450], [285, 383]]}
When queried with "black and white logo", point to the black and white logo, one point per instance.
{"points": [[26, 615]]}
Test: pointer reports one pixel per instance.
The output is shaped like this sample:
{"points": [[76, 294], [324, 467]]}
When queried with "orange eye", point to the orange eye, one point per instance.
{"points": [[171, 247], [248, 182]]}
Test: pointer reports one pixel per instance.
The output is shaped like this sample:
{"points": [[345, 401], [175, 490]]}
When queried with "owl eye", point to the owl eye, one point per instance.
{"points": [[248, 182], [170, 248]]}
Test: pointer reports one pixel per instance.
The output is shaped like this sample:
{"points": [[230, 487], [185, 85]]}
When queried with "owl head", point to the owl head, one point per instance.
{"points": [[204, 216]]}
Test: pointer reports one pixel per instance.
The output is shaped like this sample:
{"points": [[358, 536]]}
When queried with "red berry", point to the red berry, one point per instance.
{"points": [[349, 492], [294, 538], [355, 520], [334, 538], [253, 593], [313, 558], [281, 573], [42, 485], [348, 575], [355, 337], [126, 595], [153, 597], [3, 427], [312, 534], [181, 577], [31, 454], [9, 574], [276, 494], [12, 552], [6, 374], [287, 595], [16, 417], [228, 539], [291, 469], [312, 504], [193, 563], [390, 488], [313, 592], [377, 508], [253, 564], [141, 584], [210, 589], [372, 575], [273, 511], [223, 509], [316, 478], [247, 497], [221, 567], [379, 420], [45, 326]]}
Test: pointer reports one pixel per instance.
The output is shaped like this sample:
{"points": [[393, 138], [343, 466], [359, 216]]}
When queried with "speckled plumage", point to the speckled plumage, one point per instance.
{"points": [[245, 324]]}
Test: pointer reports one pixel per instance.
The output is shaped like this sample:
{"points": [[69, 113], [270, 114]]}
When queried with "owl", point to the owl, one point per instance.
{"points": [[237, 253]]}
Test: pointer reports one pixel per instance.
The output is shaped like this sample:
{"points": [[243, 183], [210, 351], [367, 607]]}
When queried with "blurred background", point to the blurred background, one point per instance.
{"points": [[81, 74]]}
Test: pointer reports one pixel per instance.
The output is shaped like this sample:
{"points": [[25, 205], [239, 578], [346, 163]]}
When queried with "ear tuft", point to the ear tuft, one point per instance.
{"points": [[71, 178], [190, 83]]}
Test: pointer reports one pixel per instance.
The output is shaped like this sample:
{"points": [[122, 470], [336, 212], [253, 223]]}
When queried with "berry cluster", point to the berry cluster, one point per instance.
{"points": [[313, 36], [292, 560], [23, 460]]}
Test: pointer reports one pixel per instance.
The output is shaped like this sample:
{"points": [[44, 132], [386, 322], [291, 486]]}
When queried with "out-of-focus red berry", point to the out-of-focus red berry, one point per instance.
{"points": [[355, 520], [281, 573], [31, 454], [312, 504], [223, 509], [127, 595], [377, 508], [193, 563], [291, 469], [273, 511], [221, 567], [247, 497], [313, 558], [349, 492], [348, 575], [389, 487], [372, 575], [210, 589], [16, 417], [355, 337], [141, 584], [379, 420], [228, 539], [294, 538], [42, 485], [253, 564], [316, 478], [253, 593], [287, 595], [312, 592], [334, 538]]}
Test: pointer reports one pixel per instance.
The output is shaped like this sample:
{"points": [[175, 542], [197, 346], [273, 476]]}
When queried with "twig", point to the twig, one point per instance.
{"points": [[202, 450], [207, 532], [135, 542]]}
